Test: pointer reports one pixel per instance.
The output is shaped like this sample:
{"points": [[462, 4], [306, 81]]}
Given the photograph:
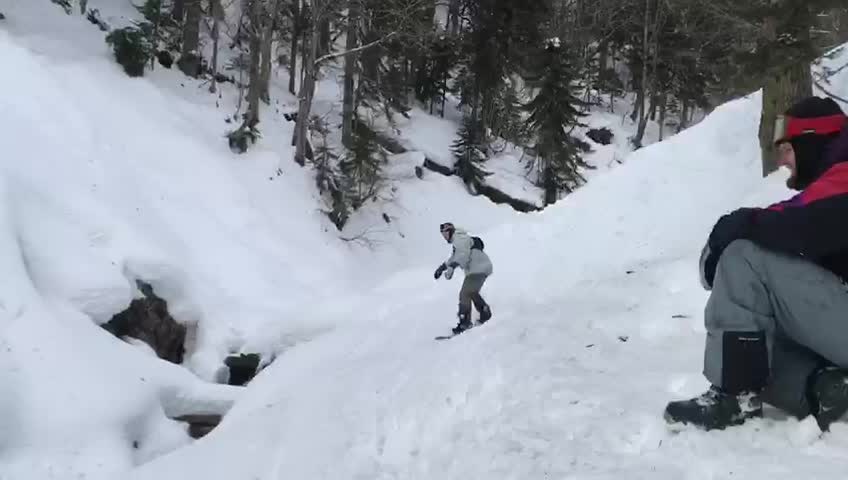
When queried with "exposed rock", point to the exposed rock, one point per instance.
{"points": [[242, 368], [166, 59], [147, 319], [602, 136], [500, 197], [200, 425]]}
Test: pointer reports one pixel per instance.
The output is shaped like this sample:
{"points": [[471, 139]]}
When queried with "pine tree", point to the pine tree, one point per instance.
{"points": [[362, 167], [469, 149], [553, 113]]}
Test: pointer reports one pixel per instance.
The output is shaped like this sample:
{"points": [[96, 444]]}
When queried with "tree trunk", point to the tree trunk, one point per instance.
{"points": [[348, 102], [643, 114], [684, 117], [453, 17], [841, 25], [190, 57], [444, 92], [217, 17], [307, 92], [326, 37], [603, 55], [155, 35], [305, 53], [779, 93], [267, 42], [178, 10], [255, 88], [297, 28], [663, 106], [655, 103]]}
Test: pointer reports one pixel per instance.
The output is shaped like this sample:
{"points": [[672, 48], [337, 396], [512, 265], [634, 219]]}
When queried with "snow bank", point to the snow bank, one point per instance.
{"points": [[105, 180]]}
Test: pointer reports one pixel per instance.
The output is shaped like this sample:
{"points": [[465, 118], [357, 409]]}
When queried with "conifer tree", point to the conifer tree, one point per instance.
{"points": [[469, 150], [553, 113], [362, 167]]}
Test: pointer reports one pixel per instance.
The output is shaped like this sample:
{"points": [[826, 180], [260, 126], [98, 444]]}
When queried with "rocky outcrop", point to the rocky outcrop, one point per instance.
{"points": [[602, 136], [242, 367], [147, 319]]}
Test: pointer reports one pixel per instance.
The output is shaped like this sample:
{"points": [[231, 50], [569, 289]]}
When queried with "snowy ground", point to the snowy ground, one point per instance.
{"points": [[597, 305]]}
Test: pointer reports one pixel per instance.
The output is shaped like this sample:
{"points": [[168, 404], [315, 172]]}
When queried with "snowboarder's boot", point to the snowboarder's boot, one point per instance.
{"points": [[464, 321], [715, 409], [828, 395], [482, 307], [485, 313]]}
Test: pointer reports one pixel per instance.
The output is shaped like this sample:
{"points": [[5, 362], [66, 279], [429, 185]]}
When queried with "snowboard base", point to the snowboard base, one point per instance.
{"points": [[451, 335]]}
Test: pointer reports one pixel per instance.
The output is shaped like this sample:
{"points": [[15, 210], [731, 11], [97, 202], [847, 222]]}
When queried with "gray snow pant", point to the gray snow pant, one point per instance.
{"points": [[800, 308], [470, 292]]}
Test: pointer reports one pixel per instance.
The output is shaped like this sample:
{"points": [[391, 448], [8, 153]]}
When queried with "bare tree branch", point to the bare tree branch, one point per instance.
{"points": [[360, 48]]}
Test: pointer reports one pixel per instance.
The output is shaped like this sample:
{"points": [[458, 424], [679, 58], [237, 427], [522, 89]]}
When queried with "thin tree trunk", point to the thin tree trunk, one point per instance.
{"points": [[296, 33], [841, 17], [307, 91], [444, 91], [325, 37], [217, 17], [254, 90], [155, 35], [655, 103], [348, 102], [453, 17], [189, 61], [646, 87], [178, 10], [663, 104], [269, 20], [684, 117], [305, 54]]}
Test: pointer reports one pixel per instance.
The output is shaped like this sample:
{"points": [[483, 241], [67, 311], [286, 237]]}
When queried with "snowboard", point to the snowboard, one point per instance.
{"points": [[451, 335]]}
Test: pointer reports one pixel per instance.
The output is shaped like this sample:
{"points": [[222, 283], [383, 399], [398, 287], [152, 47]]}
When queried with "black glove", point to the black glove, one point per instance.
{"points": [[439, 271], [729, 227]]}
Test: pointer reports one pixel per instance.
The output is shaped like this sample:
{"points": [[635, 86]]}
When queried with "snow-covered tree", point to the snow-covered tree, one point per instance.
{"points": [[553, 113]]}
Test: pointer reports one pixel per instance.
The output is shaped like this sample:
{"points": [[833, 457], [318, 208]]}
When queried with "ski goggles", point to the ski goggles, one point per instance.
{"points": [[786, 127]]}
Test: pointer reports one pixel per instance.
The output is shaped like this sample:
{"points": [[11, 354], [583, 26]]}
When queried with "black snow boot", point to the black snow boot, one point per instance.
{"points": [[828, 395], [485, 313], [715, 409], [464, 321]]}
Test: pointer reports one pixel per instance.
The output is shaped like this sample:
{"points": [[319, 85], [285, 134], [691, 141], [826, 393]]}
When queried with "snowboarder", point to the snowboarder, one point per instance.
{"points": [[468, 255], [777, 316]]}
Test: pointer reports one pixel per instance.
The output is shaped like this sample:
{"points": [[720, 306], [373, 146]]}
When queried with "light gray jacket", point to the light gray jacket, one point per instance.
{"points": [[471, 261]]}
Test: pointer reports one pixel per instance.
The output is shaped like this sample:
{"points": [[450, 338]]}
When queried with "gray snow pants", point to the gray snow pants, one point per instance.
{"points": [[800, 307], [470, 292]]}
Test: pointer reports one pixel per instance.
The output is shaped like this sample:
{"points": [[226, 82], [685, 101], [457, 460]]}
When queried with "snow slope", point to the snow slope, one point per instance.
{"points": [[597, 305], [105, 180], [598, 325]]}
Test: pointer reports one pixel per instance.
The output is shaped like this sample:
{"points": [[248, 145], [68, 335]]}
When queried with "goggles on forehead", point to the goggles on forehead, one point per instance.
{"points": [[786, 127]]}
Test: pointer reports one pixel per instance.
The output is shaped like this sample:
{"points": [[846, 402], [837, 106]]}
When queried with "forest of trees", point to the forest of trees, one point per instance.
{"points": [[525, 71]]}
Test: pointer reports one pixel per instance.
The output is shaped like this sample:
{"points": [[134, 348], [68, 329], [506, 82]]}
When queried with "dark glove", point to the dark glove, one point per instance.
{"points": [[729, 227], [439, 271]]}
